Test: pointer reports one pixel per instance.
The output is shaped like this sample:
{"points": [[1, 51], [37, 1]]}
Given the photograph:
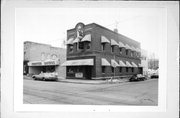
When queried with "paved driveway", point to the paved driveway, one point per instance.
{"points": [[129, 93]]}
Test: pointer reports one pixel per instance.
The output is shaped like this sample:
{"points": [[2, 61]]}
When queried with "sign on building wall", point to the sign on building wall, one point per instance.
{"points": [[79, 75]]}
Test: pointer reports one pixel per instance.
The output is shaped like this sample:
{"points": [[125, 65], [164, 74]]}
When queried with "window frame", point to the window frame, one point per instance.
{"points": [[82, 46], [120, 50], [112, 49], [103, 46], [103, 69], [127, 69], [88, 44], [127, 51], [120, 69], [112, 69], [132, 69]]}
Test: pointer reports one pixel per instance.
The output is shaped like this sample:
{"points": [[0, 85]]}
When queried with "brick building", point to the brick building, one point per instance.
{"points": [[95, 52], [42, 57]]}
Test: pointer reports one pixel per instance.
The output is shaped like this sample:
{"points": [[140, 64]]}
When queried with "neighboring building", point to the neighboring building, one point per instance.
{"points": [[95, 52], [42, 57], [144, 61], [153, 64]]}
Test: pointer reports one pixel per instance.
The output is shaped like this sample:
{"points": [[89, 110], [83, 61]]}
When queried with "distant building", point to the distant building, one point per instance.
{"points": [[42, 57], [153, 64], [144, 61], [95, 52]]}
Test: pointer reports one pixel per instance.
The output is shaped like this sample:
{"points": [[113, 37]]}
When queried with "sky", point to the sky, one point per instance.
{"points": [[49, 25]]}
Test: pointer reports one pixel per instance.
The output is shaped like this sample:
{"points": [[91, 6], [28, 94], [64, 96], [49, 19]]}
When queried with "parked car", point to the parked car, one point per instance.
{"points": [[155, 74], [46, 76], [137, 77]]}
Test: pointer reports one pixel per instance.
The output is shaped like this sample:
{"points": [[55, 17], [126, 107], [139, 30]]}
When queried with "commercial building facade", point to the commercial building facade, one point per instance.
{"points": [[43, 58], [95, 52]]}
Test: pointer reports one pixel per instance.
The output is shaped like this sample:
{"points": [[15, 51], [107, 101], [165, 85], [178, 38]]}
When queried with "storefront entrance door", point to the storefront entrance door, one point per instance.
{"points": [[88, 73]]}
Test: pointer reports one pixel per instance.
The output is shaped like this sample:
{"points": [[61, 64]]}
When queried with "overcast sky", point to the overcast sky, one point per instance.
{"points": [[49, 25]]}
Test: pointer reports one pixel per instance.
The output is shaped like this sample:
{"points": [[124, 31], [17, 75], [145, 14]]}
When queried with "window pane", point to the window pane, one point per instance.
{"points": [[81, 45], [88, 45], [103, 69]]}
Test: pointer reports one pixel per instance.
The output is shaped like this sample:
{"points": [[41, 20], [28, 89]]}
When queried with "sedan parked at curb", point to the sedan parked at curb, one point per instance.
{"points": [[46, 76], [137, 77]]}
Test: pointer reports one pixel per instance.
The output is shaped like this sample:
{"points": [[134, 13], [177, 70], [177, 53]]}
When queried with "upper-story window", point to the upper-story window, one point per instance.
{"points": [[85, 42], [103, 69], [112, 69], [70, 48], [103, 46], [81, 45], [131, 53], [112, 48], [120, 50], [113, 44], [127, 69], [126, 52], [88, 45], [120, 69], [70, 44], [104, 40]]}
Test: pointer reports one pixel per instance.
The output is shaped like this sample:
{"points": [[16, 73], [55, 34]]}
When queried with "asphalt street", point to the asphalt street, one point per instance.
{"points": [[128, 93]]}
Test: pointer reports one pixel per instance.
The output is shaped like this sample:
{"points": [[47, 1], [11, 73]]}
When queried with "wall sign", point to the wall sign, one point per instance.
{"points": [[79, 75]]}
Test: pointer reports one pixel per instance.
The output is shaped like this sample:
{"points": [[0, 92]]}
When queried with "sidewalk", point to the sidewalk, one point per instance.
{"points": [[79, 81]]}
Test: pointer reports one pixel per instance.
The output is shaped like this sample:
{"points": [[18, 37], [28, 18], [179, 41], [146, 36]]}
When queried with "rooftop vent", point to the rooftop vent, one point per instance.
{"points": [[116, 30]]}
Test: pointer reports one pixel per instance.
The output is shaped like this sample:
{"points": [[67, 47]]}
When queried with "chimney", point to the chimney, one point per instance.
{"points": [[116, 30]]}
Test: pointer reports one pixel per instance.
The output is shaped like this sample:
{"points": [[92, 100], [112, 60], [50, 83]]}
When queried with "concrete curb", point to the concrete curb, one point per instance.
{"points": [[92, 82]]}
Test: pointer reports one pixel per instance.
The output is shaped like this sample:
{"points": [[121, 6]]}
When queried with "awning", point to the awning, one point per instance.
{"points": [[121, 44], [87, 38], [121, 63], [104, 40], [104, 62], [113, 42], [133, 48], [127, 47], [140, 65], [70, 41], [133, 64], [80, 62], [114, 63], [138, 50], [76, 40], [128, 64], [43, 63]]}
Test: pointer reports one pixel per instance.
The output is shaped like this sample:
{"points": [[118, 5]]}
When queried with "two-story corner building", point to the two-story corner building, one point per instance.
{"points": [[43, 58], [95, 52]]}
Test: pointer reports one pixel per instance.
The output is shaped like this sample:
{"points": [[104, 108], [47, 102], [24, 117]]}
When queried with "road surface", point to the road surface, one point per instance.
{"points": [[128, 93]]}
